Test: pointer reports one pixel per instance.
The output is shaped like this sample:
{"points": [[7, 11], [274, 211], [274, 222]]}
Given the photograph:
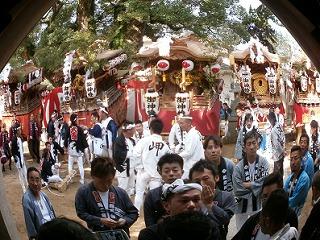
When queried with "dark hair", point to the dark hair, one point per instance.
{"points": [[51, 136], [251, 134], [138, 122], [156, 125], [216, 140], [201, 165], [32, 169], [247, 117], [188, 225], [102, 167], [95, 114], [276, 207], [272, 117], [45, 153], [296, 148], [47, 143], [304, 135], [170, 158], [314, 124], [273, 178], [316, 180], [64, 229]]}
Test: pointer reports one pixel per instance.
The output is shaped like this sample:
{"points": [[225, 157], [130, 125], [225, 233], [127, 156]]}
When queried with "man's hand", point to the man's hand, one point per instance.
{"points": [[121, 222], [207, 196], [247, 185], [109, 222]]}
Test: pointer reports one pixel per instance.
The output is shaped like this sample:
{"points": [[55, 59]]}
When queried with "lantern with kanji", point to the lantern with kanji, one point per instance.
{"points": [[304, 82], [163, 65], [66, 90], [272, 80], [245, 76], [17, 97], [91, 89], [182, 103], [317, 80], [152, 101]]}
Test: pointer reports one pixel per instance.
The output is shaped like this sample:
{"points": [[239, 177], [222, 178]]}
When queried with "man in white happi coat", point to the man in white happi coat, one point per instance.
{"points": [[17, 153], [193, 149], [176, 137], [151, 116], [146, 155], [109, 131], [140, 132]]}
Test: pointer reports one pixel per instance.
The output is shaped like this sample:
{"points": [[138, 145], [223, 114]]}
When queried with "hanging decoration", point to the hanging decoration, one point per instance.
{"points": [[67, 66], [164, 46], [17, 97], [215, 68], [25, 87], [188, 65], [245, 76], [163, 65], [4, 75], [271, 76], [182, 103], [304, 81], [152, 101], [35, 77], [317, 82], [66, 90], [91, 89]]}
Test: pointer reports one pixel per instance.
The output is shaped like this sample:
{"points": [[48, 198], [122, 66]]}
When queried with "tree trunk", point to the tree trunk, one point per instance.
{"points": [[85, 15]]}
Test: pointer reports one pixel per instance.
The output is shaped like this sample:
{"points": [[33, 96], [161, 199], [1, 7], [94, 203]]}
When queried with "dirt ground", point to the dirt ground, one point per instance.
{"points": [[63, 203]]}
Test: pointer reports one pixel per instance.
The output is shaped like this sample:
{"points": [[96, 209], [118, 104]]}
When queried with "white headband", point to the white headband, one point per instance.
{"points": [[185, 117], [178, 186], [128, 127]]}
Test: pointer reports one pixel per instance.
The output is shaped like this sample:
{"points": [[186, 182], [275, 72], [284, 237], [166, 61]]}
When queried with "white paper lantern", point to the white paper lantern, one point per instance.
{"points": [[271, 77], [66, 90], [17, 97], [188, 65], [215, 68], [245, 76], [318, 84], [304, 83], [67, 66], [91, 88], [182, 103], [163, 65], [152, 102]]}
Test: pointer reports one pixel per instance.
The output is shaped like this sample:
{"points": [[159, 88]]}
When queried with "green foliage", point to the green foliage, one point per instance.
{"points": [[123, 23]]}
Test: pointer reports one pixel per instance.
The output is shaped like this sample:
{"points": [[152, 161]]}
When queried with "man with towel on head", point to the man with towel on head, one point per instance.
{"points": [[193, 149], [109, 130]]}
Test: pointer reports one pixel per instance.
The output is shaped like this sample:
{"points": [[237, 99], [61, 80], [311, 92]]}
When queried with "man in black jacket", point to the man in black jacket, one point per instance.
{"points": [[76, 143], [251, 227], [311, 229], [170, 167], [122, 154]]}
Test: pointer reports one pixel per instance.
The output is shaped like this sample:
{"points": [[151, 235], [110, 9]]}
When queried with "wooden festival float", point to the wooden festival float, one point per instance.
{"points": [[258, 76], [305, 80], [83, 90], [175, 76], [19, 94]]}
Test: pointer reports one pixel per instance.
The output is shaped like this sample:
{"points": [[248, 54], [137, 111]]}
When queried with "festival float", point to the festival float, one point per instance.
{"points": [[258, 79], [305, 80], [19, 91], [82, 90], [175, 76]]}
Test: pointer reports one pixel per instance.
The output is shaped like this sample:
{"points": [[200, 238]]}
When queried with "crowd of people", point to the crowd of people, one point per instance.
{"points": [[184, 186]]}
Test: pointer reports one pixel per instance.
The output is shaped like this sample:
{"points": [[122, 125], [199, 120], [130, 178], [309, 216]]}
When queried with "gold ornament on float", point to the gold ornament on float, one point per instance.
{"points": [[260, 84]]}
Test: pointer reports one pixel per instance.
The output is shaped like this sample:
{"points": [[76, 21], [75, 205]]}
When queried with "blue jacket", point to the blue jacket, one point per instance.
{"points": [[299, 194], [307, 165], [32, 213], [88, 210]]}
